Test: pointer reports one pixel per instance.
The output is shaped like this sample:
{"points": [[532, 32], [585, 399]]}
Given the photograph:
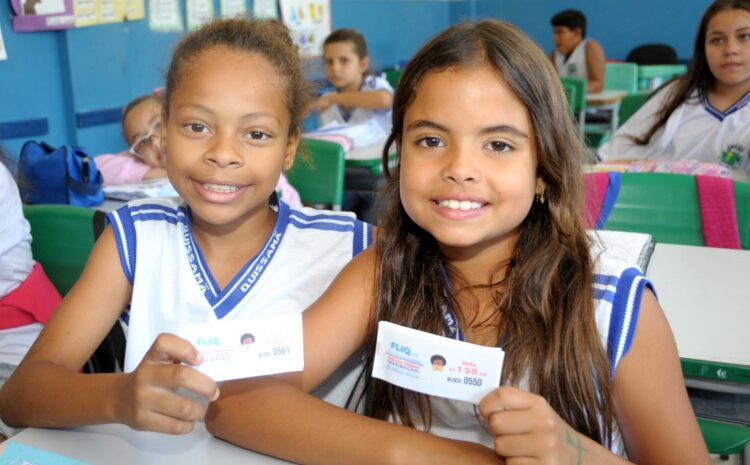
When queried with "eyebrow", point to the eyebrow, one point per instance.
{"points": [[253, 115], [501, 128]]}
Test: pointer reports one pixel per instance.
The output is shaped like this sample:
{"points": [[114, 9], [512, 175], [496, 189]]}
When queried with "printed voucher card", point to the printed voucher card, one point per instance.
{"points": [[235, 349], [436, 365], [20, 454]]}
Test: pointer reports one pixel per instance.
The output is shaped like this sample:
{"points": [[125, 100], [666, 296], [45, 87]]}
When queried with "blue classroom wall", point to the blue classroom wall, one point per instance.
{"points": [[73, 82]]}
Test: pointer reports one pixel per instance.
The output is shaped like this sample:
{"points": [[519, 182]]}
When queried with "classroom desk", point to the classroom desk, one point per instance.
{"points": [[704, 295], [116, 444], [652, 76], [608, 100]]}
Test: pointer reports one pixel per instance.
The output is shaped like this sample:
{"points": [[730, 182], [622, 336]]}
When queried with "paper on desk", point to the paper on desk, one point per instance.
{"points": [[21, 454], [248, 347], [436, 365], [141, 190], [361, 135], [629, 247]]}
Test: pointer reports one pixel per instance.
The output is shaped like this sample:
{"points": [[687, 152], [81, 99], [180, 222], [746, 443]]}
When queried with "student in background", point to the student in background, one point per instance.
{"points": [[27, 297], [141, 127], [359, 96], [704, 115], [482, 240], [235, 96], [575, 55]]}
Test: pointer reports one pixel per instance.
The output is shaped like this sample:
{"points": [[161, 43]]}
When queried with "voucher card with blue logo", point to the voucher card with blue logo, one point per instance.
{"points": [[436, 365], [249, 347]]}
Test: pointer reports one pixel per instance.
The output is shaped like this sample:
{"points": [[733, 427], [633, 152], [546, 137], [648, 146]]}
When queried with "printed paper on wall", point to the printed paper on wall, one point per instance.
{"points": [[198, 12], [42, 15], [310, 23], [265, 9], [134, 9], [164, 16], [3, 52], [232, 8]]}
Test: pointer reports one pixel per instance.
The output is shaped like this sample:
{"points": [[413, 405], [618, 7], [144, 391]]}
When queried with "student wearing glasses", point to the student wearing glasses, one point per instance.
{"points": [[145, 158]]}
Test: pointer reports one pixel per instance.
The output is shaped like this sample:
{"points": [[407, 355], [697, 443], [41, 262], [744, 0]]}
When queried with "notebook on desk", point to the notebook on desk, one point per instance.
{"points": [[141, 190], [629, 247]]}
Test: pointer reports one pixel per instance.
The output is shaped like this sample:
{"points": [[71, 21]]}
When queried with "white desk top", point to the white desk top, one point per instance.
{"points": [[704, 293], [605, 97], [120, 445], [371, 152]]}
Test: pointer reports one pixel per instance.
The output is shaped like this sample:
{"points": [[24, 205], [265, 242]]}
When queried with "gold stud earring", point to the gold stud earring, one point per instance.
{"points": [[540, 198]]}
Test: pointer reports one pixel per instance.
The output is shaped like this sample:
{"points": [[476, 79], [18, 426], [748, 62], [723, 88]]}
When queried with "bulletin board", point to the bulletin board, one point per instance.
{"points": [[310, 23]]}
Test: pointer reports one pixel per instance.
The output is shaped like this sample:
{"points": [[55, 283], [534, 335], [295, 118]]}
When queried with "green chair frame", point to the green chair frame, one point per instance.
{"points": [[630, 104], [62, 238], [621, 76], [318, 173], [576, 98]]}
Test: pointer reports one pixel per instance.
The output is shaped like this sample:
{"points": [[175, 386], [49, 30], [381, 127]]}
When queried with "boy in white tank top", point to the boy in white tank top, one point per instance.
{"points": [[574, 55]]}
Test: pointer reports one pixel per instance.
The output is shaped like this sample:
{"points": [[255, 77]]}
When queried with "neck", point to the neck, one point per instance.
{"points": [[723, 96], [353, 87]]}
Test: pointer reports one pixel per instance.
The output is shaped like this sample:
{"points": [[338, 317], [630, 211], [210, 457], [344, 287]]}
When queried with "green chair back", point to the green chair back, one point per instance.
{"points": [[621, 76], [578, 97], [319, 178], [742, 205], [664, 205], [62, 238], [570, 93], [630, 104], [393, 76]]}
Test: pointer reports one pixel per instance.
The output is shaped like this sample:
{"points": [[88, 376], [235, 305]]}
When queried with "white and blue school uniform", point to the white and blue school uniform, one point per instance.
{"points": [[337, 114], [573, 65], [618, 287], [172, 284], [694, 131]]}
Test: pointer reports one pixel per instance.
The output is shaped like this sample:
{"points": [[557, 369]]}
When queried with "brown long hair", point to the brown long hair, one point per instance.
{"points": [[698, 76], [546, 299]]}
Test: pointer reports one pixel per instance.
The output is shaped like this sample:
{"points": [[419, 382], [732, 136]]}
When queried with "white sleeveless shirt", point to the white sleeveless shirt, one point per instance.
{"points": [[575, 64]]}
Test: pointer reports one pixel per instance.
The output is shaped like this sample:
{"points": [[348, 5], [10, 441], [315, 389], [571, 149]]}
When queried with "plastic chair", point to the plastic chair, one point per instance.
{"points": [[63, 236], [630, 104], [319, 179], [576, 98], [742, 205], [393, 76], [653, 54], [664, 205], [621, 76]]}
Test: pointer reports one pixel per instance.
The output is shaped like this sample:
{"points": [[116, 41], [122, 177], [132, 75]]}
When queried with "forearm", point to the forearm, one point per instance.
{"points": [[590, 452], [280, 420], [47, 395], [373, 100], [595, 85]]}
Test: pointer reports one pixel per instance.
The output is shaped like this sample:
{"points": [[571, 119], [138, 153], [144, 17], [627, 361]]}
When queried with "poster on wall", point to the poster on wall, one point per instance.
{"points": [[42, 15], [198, 12], [92, 12], [164, 16], [3, 52], [134, 9], [310, 23], [265, 9], [233, 8]]}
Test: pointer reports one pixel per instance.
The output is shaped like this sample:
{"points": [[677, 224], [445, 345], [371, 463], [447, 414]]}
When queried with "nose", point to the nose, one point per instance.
{"points": [[223, 152], [731, 46], [461, 166]]}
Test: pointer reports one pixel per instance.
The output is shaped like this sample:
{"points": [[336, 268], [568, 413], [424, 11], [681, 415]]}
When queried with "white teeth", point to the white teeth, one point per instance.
{"points": [[460, 204], [223, 189]]}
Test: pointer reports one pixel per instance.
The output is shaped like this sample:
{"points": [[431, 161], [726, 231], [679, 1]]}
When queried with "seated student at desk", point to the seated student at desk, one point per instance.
{"points": [[359, 97], [575, 55], [703, 115], [27, 297]]}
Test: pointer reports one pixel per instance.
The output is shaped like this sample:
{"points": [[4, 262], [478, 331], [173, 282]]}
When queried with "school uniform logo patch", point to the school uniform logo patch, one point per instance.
{"points": [[732, 155]]}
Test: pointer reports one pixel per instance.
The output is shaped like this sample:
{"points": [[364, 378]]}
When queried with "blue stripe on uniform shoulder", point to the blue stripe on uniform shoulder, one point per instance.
{"points": [[362, 237], [624, 317], [122, 226]]}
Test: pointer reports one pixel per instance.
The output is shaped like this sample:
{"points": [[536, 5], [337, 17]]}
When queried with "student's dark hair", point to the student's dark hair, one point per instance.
{"points": [[437, 357], [572, 19], [698, 76], [545, 302], [267, 38], [349, 35], [159, 99]]}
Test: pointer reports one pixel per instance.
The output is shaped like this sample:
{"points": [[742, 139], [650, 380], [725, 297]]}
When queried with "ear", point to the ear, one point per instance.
{"points": [[364, 64], [291, 149], [541, 186]]}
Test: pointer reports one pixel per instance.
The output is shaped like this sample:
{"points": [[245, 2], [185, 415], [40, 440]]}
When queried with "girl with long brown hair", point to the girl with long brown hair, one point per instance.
{"points": [[704, 115], [481, 226]]}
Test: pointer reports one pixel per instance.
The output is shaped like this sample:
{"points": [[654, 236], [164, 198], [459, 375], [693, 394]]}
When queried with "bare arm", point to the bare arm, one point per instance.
{"points": [[371, 99], [154, 173], [595, 64], [48, 390], [651, 402], [274, 415]]}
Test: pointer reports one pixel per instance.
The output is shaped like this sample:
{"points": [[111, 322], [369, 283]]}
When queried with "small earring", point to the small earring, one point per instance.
{"points": [[540, 198], [288, 165]]}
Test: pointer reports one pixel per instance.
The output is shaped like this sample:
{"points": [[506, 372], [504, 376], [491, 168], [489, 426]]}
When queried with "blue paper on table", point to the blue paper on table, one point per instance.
{"points": [[20, 454]]}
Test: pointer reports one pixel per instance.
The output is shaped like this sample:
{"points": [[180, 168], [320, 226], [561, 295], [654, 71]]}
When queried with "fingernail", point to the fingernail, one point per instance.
{"points": [[216, 395], [199, 359]]}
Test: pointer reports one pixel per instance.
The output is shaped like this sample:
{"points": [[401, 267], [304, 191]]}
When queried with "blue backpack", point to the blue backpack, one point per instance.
{"points": [[59, 175]]}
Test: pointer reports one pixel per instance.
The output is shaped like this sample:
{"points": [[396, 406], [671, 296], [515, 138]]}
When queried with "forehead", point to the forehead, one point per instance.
{"points": [[344, 47], [728, 20], [231, 80], [477, 90]]}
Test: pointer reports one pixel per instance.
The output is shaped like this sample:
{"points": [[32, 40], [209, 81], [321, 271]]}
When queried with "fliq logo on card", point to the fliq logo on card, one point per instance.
{"points": [[208, 341]]}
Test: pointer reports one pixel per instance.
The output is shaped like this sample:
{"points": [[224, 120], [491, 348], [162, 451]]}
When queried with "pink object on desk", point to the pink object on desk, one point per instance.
{"points": [[120, 168], [595, 188], [718, 212]]}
